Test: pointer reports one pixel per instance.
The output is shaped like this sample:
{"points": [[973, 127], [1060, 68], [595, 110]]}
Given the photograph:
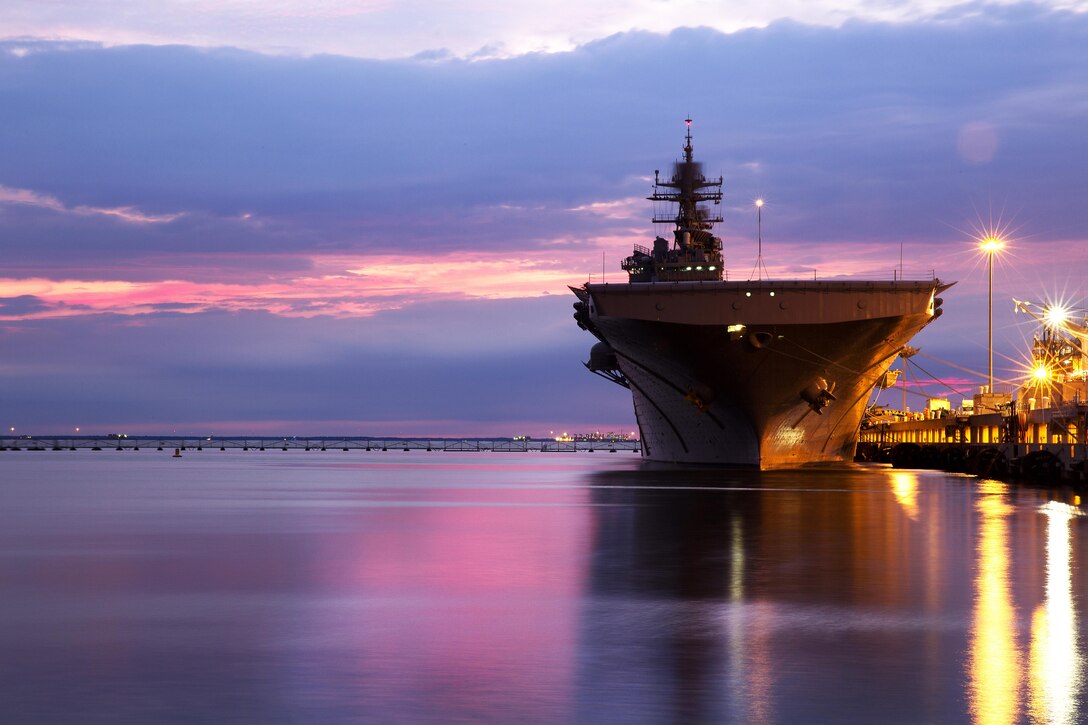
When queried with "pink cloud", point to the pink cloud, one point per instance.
{"points": [[342, 286]]}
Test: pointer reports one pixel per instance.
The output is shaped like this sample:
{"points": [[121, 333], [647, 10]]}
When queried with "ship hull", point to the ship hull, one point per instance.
{"points": [[768, 375]]}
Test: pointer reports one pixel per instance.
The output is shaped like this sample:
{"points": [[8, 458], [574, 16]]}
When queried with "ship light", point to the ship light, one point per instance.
{"points": [[772, 293], [697, 269], [712, 268], [687, 269], [747, 294]]}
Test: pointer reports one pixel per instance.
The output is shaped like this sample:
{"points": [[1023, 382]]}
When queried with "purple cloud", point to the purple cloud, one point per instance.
{"points": [[193, 174]]}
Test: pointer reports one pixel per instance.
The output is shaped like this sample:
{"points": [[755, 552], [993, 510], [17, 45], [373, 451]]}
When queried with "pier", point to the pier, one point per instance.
{"points": [[310, 443], [1037, 433], [1040, 445]]}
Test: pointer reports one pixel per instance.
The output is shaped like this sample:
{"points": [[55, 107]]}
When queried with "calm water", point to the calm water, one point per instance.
{"points": [[439, 587]]}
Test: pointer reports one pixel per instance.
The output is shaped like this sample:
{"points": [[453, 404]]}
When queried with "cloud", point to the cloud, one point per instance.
{"points": [[288, 228], [178, 371], [21, 306], [467, 29], [335, 153], [339, 286], [124, 213]]}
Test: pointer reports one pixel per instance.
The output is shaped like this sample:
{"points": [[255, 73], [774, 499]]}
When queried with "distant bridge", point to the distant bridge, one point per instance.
{"points": [[311, 443]]}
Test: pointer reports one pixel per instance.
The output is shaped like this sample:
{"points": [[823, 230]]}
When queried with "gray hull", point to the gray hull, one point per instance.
{"points": [[728, 373]]}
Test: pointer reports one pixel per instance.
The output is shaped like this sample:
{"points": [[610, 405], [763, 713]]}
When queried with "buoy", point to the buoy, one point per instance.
{"points": [[177, 453]]}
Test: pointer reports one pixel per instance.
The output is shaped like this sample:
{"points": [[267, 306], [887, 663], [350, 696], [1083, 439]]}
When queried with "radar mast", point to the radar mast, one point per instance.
{"points": [[694, 253]]}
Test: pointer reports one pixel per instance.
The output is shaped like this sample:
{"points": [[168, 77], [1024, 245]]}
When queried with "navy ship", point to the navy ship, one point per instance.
{"points": [[771, 374]]}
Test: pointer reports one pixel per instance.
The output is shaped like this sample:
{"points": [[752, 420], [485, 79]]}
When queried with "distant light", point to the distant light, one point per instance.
{"points": [[77, 429], [759, 202], [712, 268], [734, 328], [687, 121], [991, 244], [747, 294], [1041, 372], [772, 293]]}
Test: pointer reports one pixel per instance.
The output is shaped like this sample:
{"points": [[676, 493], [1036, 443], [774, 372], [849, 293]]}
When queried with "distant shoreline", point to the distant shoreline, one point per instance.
{"points": [[309, 443]]}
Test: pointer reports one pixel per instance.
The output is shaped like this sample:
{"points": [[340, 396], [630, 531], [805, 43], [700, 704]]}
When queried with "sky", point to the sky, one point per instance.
{"points": [[361, 218]]}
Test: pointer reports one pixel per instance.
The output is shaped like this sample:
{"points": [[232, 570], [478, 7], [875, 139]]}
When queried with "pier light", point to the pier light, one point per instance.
{"points": [[990, 245], [1056, 316]]}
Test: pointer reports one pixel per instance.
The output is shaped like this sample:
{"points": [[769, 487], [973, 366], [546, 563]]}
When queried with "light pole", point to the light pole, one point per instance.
{"points": [[759, 268], [990, 245]]}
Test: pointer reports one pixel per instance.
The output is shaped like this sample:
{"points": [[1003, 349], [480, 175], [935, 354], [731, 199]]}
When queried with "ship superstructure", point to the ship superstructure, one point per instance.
{"points": [[695, 253], [758, 373]]}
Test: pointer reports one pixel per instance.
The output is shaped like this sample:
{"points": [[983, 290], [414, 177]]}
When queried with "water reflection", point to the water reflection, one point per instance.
{"points": [[767, 597], [531, 589], [905, 488], [1055, 654], [994, 663]]}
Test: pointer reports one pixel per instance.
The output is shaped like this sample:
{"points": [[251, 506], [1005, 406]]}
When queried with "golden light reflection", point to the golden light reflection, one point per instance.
{"points": [[750, 625], [994, 661], [905, 488], [1056, 669], [737, 684], [736, 554]]}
